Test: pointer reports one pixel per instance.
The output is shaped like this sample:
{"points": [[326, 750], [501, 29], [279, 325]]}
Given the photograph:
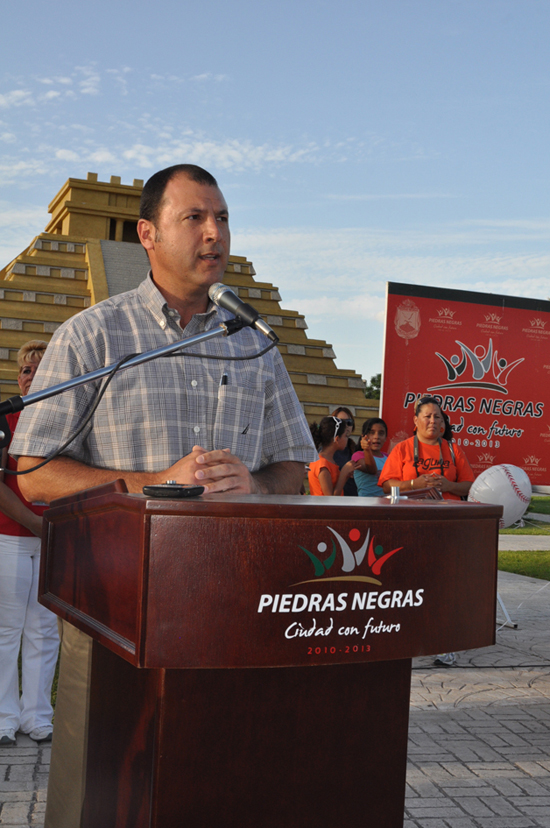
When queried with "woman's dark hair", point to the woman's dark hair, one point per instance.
{"points": [[448, 433], [427, 401], [351, 443], [368, 424], [348, 412], [153, 192], [324, 433]]}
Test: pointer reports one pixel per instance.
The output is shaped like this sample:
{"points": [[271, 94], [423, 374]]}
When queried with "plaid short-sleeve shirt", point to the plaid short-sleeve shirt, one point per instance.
{"points": [[153, 414]]}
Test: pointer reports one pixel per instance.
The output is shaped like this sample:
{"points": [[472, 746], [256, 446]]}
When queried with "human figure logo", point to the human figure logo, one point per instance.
{"points": [[350, 560]]}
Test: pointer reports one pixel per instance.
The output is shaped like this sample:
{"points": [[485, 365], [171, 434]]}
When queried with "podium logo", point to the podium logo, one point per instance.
{"points": [[348, 560]]}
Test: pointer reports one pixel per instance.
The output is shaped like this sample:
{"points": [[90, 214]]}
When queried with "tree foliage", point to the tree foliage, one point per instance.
{"points": [[372, 391]]}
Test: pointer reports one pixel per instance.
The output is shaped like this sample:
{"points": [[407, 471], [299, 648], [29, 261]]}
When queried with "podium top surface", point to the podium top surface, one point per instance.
{"points": [[297, 506]]}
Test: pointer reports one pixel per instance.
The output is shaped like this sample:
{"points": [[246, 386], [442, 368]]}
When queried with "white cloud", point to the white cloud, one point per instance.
{"points": [[209, 76], [92, 79], [50, 95], [141, 154], [231, 155], [119, 77], [11, 172], [18, 228], [67, 155], [388, 196], [102, 156], [7, 137], [17, 97]]}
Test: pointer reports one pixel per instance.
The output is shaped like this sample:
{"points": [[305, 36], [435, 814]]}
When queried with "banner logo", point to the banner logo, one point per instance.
{"points": [[350, 561], [407, 320], [484, 364], [485, 457], [538, 323], [447, 313]]}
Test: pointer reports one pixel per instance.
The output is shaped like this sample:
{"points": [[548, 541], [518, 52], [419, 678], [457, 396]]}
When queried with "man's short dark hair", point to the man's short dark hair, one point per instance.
{"points": [[153, 192]]}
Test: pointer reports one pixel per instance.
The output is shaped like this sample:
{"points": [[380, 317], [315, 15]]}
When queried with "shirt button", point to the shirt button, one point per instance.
{"points": [[194, 383], [196, 429]]}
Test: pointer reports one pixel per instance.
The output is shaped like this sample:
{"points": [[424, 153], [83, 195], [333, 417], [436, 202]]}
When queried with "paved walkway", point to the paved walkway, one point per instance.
{"points": [[479, 736], [524, 543], [479, 740]]}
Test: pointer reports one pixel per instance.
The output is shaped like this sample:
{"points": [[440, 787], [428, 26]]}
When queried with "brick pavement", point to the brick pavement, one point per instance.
{"points": [[479, 738], [23, 782], [479, 734]]}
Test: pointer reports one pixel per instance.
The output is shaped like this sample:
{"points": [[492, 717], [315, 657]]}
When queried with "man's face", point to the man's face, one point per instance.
{"points": [[189, 246]]}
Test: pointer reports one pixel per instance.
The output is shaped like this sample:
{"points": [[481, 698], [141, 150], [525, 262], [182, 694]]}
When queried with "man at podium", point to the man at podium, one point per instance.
{"points": [[228, 420]]}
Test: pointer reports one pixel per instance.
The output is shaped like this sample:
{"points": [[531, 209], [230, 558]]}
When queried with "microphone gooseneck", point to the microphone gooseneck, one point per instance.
{"points": [[223, 297]]}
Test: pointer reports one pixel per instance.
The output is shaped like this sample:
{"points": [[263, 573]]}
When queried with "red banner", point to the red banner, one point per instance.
{"points": [[486, 357]]}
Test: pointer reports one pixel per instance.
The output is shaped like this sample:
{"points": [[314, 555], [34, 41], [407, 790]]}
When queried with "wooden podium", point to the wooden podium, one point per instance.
{"points": [[252, 655]]}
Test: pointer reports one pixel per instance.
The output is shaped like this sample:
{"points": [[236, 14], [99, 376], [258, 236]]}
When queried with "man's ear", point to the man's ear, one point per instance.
{"points": [[146, 232]]}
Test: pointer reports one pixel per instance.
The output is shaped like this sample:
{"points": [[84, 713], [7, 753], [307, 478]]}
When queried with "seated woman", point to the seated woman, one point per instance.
{"points": [[371, 458], [24, 623], [325, 478], [429, 459], [426, 460]]}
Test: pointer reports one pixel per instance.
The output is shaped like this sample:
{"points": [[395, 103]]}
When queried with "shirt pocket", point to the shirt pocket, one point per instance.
{"points": [[239, 423]]}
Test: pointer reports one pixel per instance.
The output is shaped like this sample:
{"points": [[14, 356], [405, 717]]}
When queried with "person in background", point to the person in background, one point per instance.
{"points": [[428, 459], [343, 456], [24, 623], [371, 458], [325, 477]]}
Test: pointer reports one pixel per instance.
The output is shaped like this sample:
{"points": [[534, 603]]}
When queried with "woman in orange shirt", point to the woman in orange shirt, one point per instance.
{"points": [[325, 478], [430, 458]]}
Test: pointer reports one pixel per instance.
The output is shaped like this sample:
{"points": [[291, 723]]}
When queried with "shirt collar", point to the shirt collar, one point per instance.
{"points": [[157, 304]]}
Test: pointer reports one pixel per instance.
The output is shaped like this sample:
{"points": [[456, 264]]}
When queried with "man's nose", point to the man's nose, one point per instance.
{"points": [[212, 228]]}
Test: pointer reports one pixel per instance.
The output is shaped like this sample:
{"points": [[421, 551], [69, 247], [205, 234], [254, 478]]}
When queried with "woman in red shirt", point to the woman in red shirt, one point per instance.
{"points": [[24, 623]]}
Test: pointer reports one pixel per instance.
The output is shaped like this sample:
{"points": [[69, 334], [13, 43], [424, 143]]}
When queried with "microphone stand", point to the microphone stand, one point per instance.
{"points": [[17, 403]]}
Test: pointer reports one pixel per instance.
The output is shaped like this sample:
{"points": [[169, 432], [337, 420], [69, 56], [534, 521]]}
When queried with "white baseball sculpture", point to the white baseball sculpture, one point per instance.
{"points": [[506, 485]]}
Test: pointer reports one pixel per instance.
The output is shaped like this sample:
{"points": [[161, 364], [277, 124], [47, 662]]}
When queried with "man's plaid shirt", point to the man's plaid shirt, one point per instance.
{"points": [[153, 414]]}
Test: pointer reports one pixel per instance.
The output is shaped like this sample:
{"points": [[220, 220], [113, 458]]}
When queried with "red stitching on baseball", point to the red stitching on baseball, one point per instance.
{"points": [[515, 486]]}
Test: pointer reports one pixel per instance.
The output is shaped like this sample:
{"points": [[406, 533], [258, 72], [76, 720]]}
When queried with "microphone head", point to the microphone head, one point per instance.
{"points": [[216, 290]]}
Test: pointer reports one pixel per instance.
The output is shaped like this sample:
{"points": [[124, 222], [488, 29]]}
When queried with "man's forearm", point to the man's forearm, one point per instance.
{"points": [[64, 476], [285, 477]]}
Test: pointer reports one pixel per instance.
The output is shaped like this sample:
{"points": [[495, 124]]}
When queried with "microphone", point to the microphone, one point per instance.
{"points": [[223, 297]]}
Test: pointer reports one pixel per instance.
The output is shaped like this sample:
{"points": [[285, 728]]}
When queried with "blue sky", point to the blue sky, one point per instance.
{"points": [[356, 143]]}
